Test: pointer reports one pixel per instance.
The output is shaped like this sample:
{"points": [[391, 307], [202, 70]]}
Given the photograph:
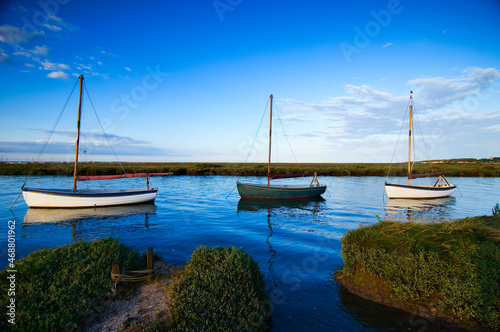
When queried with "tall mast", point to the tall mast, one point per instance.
{"points": [[78, 133], [409, 137], [270, 131]]}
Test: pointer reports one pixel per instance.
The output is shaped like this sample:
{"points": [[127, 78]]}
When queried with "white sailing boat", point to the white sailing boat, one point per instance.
{"points": [[82, 198], [441, 188]]}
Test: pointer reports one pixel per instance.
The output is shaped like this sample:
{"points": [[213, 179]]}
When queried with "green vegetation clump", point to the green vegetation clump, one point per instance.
{"points": [[57, 288], [221, 289], [455, 266]]}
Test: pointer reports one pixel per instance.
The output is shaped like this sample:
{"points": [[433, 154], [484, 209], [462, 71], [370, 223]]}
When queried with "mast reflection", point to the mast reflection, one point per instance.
{"points": [[278, 207]]}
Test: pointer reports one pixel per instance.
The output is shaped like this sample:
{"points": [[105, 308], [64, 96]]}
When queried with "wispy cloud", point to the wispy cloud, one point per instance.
{"points": [[63, 142], [438, 91], [367, 119], [14, 35], [23, 40], [58, 74], [4, 57]]}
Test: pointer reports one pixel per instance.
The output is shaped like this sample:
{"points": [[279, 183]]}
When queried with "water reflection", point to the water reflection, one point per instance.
{"points": [[44, 215], [77, 217], [309, 205], [420, 209], [280, 208], [272, 277]]}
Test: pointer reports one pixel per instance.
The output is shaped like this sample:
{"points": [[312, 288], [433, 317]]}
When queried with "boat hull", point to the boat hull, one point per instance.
{"points": [[405, 191], [278, 191], [65, 198]]}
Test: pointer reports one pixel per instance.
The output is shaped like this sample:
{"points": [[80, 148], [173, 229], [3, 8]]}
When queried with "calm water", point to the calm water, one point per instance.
{"points": [[297, 245]]}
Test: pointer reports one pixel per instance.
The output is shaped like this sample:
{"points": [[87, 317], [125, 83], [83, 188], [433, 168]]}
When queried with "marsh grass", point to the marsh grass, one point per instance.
{"points": [[57, 288], [481, 168], [455, 263]]}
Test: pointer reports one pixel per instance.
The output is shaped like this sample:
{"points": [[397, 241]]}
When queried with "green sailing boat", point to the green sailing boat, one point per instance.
{"points": [[262, 191]]}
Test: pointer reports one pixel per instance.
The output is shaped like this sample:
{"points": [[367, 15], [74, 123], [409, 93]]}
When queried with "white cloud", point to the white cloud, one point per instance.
{"points": [[58, 74], [4, 57], [47, 65], [438, 91], [60, 24], [53, 27], [128, 69], [23, 53], [369, 121], [14, 35], [41, 50], [387, 45]]}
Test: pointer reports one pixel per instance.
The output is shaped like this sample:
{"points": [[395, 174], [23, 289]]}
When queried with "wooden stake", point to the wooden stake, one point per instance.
{"points": [[149, 256], [116, 268]]}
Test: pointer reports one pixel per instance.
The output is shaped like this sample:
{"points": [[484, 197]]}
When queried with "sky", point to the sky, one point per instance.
{"points": [[190, 81]]}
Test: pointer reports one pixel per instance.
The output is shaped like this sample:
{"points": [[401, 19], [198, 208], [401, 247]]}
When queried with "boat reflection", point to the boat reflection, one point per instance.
{"points": [[77, 218], [420, 209], [310, 205], [45, 215]]}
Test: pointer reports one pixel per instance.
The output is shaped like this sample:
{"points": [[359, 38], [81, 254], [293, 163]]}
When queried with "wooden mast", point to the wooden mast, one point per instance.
{"points": [[409, 138], [270, 131], [78, 134]]}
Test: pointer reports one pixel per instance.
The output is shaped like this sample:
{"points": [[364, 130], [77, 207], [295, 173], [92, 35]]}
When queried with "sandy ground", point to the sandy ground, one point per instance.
{"points": [[145, 303]]}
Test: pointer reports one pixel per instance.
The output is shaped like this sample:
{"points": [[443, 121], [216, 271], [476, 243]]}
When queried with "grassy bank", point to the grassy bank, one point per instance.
{"points": [[446, 269], [467, 168], [58, 289]]}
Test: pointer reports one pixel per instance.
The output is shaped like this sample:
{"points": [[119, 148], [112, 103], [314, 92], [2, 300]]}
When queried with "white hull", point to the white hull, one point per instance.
{"points": [[404, 191], [63, 198]]}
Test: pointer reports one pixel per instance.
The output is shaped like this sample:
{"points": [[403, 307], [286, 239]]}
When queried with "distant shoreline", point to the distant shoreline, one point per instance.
{"points": [[457, 167]]}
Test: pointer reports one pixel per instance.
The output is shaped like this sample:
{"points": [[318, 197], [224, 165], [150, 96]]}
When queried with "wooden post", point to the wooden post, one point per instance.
{"points": [[116, 268], [149, 256]]}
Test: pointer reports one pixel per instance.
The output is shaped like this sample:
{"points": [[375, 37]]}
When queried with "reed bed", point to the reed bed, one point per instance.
{"points": [[458, 168]]}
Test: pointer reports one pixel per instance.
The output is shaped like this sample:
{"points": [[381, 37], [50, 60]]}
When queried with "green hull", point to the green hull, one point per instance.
{"points": [[278, 191]]}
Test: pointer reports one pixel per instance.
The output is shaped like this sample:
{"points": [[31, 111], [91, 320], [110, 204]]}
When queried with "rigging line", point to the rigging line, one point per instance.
{"points": [[230, 192], [51, 131], [419, 128], [100, 124], [255, 138], [397, 142], [284, 133]]}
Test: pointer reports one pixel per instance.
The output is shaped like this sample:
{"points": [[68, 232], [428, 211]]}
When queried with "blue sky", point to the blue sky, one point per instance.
{"points": [[190, 80]]}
